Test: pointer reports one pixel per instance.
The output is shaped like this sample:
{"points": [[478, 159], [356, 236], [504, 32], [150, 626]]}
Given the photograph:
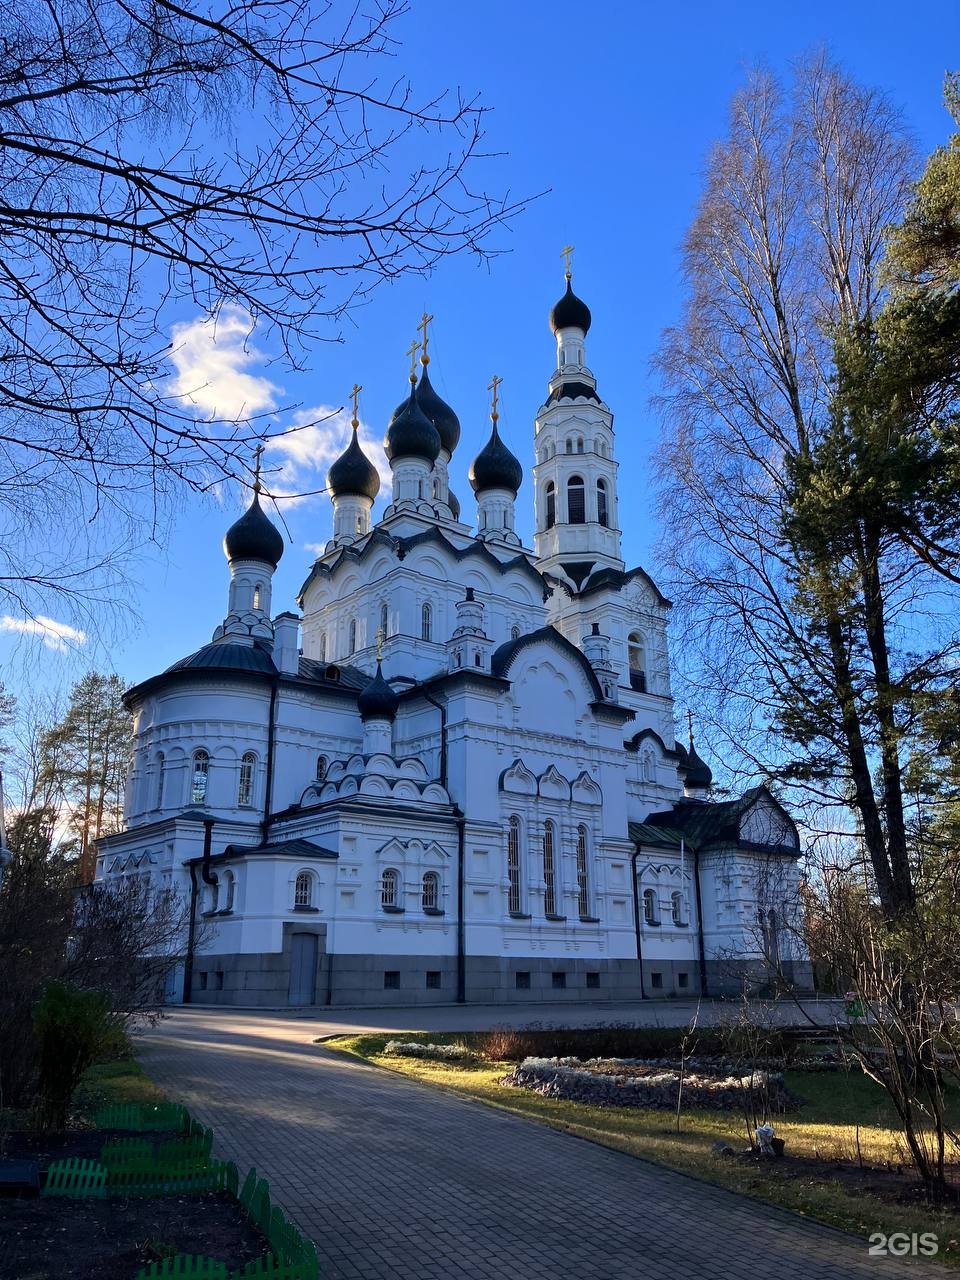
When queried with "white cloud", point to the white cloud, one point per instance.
{"points": [[297, 463], [212, 357], [55, 635]]}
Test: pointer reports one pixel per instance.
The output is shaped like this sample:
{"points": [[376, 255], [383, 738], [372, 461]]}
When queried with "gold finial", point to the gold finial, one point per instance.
{"points": [[494, 387], [412, 353], [380, 639], [256, 467], [355, 397], [565, 253], [424, 321]]}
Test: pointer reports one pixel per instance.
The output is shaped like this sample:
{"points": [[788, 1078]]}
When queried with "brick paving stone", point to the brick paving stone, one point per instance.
{"points": [[397, 1181]]}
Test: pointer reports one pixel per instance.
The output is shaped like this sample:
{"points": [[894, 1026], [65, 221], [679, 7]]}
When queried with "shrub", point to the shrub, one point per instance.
{"points": [[71, 1028], [615, 1040]]}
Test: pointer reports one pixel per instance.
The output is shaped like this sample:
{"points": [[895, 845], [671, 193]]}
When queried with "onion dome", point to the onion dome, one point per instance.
{"points": [[253, 536], [495, 467], [570, 312], [353, 473], [453, 502], [377, 701], [699, 775], [439, 412], [411, 434]]}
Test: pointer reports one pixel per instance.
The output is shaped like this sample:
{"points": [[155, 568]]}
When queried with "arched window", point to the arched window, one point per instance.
{"points": [[549, 871], [201, 770], [569, 445], [426, 623], [256, 596], [648, 770], [430, 895], [245, 790], [160, 767], [321, 768], [583, 875], [390, 888], [638, 663], [323, 646], [676, 906], [384, 620], [303, 890], [352, 636], [579, 444], [514, 633], [551, 505], [513, 864], [229, 882], [599, 447], [650, 906], [602, 502], [576, 501]]}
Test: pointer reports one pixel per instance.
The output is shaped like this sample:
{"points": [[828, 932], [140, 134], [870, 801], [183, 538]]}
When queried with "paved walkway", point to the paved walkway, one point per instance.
{"points": [[393, 1179]]}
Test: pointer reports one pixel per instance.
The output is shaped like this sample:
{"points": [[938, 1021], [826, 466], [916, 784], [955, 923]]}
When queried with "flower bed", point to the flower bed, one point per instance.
{"points": [[411, 1049], [616, 1082]]}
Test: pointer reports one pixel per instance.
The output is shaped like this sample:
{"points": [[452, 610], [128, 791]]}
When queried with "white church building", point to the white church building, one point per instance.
{"points": [[453, 773]]}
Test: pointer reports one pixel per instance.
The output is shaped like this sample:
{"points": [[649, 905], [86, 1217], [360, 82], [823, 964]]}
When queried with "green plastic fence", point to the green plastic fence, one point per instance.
{"points": [[150, 1179], [75, 1178], [142, 1118], [249, 1186], [185, 1266], [272, 1269], [126, 1150]]}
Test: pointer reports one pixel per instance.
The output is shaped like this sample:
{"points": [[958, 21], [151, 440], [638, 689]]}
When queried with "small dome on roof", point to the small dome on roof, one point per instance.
{"points": [[377, 701], [570, 313], [495, 467], [411, 434], [439, 412], [253, 537], [353, 473], [699, 775]]}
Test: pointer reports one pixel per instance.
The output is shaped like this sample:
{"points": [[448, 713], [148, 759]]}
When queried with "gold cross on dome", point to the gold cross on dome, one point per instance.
{"points": [[424, 321], [258, 451], [380, 639], [566, 253], [412, 353], [494, 387], [355, 397]]}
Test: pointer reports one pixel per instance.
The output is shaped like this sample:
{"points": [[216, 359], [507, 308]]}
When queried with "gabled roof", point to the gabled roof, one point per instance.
{"points": [[503, 657], [706, 824], [616, 578], [289, 848]]}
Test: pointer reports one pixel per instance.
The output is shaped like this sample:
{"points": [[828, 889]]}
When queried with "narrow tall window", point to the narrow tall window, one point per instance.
{"points": [[256, 596], [201, 770], [426, 623], [245, 790], [549, 871], [323, 646], [569, 446], [638, 663], [551, 505], [430, 896], [676, 907], [649, 906], [303, 890], [229, 889], [321, 768], [514, 633], [390, 888], [160, 767], [384, 620], [513, 864], [352, 636], [602, 503], [576, 501], [580, 444], [583, 878]]}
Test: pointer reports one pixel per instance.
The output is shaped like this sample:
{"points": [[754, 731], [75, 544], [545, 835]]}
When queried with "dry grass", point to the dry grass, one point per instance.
{"points": [[839, 1109]]}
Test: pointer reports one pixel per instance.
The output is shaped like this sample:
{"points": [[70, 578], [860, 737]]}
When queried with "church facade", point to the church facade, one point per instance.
{"points": [[452, 773]]}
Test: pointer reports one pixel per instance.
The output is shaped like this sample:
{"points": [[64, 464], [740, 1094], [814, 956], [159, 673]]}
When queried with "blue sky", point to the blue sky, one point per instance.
{"points": [[611, 109]]}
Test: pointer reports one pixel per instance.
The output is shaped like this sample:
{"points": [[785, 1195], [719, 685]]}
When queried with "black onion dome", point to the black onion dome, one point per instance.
{"points": [[353, 473], [495, 467], [439, 412], [453, 502], [253, 537], [411, 434], [377, 701], [570, 313], [699, 773]]}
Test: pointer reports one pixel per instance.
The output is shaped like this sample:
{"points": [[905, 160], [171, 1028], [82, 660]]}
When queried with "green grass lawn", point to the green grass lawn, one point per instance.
{"points": [[108, 1083], [839, 1108]]}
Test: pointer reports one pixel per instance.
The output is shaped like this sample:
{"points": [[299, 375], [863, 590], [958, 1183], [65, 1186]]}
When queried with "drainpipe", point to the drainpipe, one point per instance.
{"points": [[461, 840], [636, 919], [702, 949], [271, 746], [209, 877]]}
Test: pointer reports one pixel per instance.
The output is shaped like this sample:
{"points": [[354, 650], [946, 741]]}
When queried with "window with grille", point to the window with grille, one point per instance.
{"points": [[649, 906], [513, 863], [637, 655], [245, 790], [256, 596], [426, 623], [551, 505], [390, 888], [303, 890], [576, 501], [430, 896], [602, 503], [583, 879], [549, 871], [676, 907], [321, 768], [201, 770]]}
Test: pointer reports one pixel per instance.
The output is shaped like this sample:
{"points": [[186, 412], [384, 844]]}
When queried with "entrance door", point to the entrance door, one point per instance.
{"points": [[303, 969]]}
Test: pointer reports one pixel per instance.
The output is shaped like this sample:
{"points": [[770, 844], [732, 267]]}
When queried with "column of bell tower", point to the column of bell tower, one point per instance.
{"points": [[575, 476]]}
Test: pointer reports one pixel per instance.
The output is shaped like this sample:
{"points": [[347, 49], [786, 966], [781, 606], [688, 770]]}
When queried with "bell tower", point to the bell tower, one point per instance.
{"points": [[575, 476]]}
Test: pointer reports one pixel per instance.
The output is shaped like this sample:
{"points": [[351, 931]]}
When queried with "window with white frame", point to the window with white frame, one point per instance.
{"points": [[551, 512], [650, 907], [201, 772], [513, 864], [430, 895], [576, 501], [637, 655], [514, 633], [426, 623], [549, 870], [303, 890], [245, 789], [583, 874], [676, 907], [602, 517], [390, 888]]}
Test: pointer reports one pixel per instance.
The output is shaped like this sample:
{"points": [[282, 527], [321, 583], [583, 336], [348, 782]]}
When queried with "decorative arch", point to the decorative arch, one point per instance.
{"points": [[518, 780]]}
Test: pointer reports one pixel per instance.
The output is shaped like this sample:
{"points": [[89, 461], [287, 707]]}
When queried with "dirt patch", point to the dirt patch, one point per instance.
{"points": [[85, 1143], [60, 1239]]}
